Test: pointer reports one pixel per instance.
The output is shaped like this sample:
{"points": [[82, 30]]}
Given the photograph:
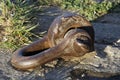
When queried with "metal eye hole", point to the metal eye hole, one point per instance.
{"points": [[83, 39]]}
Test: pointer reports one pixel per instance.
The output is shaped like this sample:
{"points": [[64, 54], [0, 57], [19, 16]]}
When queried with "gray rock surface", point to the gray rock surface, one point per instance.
{"points": [[103, 62]]}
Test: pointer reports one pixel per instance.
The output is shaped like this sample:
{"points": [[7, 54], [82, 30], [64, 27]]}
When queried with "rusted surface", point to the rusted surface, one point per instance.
{"points": [[68, 35]]}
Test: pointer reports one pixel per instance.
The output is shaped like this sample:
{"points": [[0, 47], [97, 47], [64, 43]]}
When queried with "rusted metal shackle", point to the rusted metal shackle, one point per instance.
{"points": [[68, 35]]}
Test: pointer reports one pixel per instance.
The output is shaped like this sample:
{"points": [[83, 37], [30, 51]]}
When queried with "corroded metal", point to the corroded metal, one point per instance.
{"points": [[68, 35]]}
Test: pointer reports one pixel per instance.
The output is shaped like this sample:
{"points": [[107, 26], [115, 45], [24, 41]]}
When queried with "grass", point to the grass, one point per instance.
{"points": [[50, 2], [16, 22], [89, 8]]}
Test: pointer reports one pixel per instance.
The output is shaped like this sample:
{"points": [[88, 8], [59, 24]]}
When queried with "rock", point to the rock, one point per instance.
{"points": [[106, 33], [106, 61], [112, 18], [51, 64]]}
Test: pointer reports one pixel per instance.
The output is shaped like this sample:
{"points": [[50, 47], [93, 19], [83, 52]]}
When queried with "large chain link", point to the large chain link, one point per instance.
{"points": [[68, 35]]}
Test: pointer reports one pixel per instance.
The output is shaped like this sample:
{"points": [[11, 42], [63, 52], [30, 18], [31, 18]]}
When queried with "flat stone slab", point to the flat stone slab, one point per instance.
{"points": [[106, 60]]}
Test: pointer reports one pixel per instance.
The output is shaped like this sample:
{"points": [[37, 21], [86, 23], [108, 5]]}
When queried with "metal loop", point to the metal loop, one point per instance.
{"points": [[68, 35]]}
